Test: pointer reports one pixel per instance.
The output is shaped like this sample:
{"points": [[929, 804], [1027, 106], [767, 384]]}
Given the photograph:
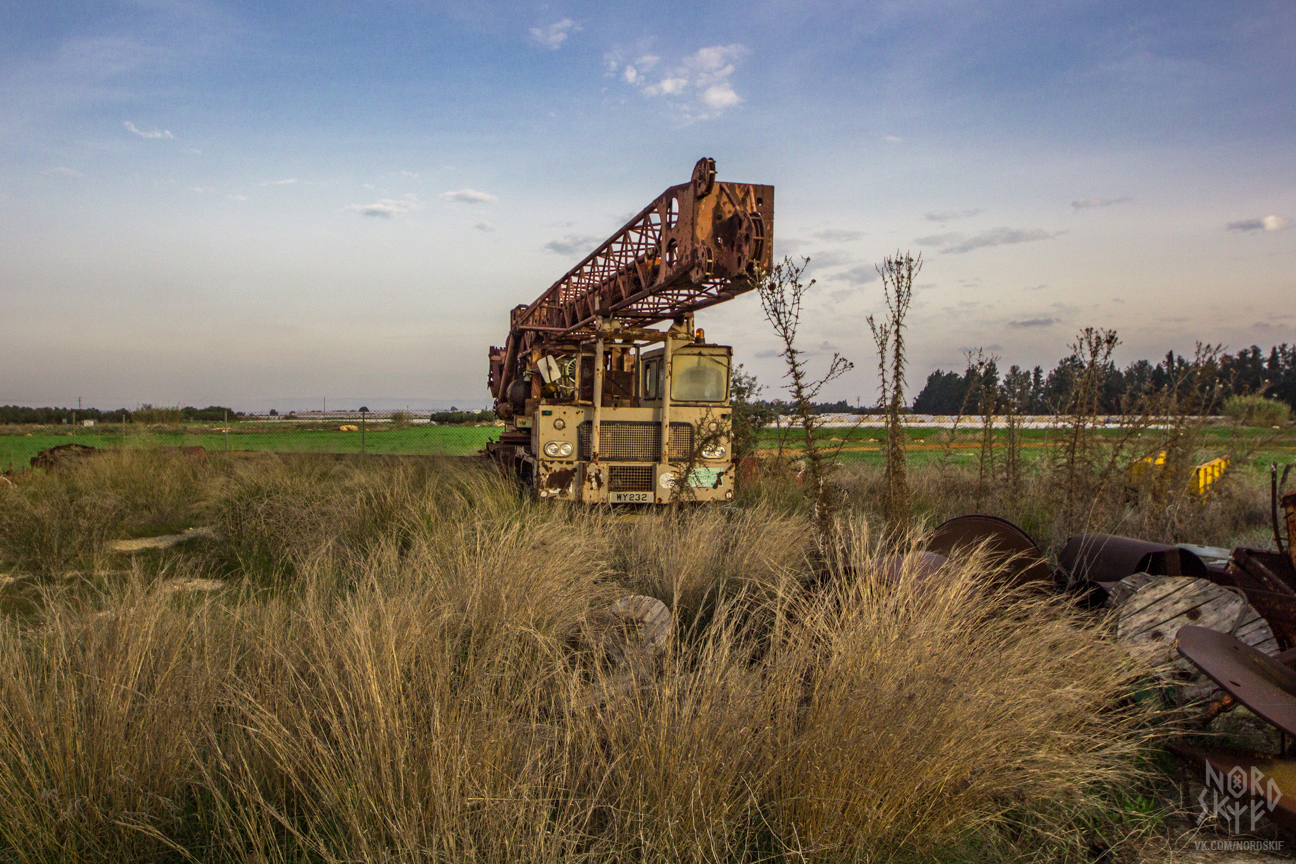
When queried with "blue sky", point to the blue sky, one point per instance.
{"points": [[266, 204]]}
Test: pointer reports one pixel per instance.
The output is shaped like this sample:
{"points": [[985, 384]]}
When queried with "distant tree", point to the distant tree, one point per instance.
{"points": [[943, 394], [750, 415]]}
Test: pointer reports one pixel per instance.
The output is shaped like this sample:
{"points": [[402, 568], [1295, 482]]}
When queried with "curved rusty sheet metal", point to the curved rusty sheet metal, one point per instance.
{"points": [[1006, 545], [1105, 559]]}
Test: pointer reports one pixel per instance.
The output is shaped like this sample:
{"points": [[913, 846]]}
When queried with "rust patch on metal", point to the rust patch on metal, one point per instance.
{"points": [[560, 479]]}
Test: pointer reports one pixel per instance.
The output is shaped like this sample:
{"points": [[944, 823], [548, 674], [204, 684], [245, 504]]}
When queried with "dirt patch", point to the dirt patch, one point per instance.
{"points": [[164, 541]]}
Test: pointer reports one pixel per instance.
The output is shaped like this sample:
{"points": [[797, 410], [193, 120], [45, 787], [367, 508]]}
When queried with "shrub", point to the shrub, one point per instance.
{"points": [[1257, 410], [149, 414]]}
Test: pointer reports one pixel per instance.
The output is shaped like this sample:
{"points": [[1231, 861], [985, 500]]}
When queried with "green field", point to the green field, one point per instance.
{"points": [[19, 444], [1255, 447]]}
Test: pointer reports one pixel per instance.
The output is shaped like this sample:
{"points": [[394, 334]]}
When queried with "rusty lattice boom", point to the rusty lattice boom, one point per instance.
{"points": [[698, 244]]}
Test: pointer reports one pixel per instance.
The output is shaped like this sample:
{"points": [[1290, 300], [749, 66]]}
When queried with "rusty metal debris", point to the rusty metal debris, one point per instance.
{"points": [[1263, 784], [1009, 548], [1269, 582], [1258, 681], [1101, 558]]}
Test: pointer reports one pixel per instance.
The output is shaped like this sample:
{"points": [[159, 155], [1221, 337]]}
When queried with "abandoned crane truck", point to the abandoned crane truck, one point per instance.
{"points": [[599, 406]]}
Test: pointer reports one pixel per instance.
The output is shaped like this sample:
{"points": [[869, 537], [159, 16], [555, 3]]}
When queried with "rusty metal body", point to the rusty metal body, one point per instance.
{"points": [[598, 405]]}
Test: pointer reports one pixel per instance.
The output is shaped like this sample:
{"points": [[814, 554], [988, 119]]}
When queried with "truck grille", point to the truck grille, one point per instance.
{"points": [[635, 441], [631, 478]]}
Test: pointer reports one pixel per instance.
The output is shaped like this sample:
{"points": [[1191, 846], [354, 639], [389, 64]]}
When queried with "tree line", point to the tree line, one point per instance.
{"points": [[1250, 371], [56, 416]]}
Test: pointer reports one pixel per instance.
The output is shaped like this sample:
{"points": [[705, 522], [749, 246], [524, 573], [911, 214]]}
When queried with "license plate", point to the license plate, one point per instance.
{"points": [[632, 498]]}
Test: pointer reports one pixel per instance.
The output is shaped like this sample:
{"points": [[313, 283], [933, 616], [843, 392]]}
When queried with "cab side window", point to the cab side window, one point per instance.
{"points": [[652, 379]]}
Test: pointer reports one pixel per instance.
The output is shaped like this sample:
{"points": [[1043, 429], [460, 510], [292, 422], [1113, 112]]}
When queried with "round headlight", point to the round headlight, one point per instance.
{"points": [[552, 448], [560, 423], [716, 451], [564, 449]]}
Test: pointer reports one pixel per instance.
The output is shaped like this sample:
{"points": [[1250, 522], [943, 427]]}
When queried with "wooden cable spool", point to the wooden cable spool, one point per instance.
{"points": [[1149, 618]]}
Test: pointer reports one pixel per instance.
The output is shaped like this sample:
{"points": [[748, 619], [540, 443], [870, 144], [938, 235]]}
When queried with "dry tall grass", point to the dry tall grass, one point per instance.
{"points": [[1235, 512], [62, 520], [420, 685]]}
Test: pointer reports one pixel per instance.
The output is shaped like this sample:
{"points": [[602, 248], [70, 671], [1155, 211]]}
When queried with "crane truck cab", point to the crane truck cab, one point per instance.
{"points": [[593, 432]]}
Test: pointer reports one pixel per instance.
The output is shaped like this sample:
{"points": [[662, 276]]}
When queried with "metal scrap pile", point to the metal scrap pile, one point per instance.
{"points": [[1218, 626]]}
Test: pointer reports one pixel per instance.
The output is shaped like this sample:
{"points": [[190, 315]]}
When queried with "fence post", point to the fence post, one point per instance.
{"points": [[226, 431], [362, 433]]}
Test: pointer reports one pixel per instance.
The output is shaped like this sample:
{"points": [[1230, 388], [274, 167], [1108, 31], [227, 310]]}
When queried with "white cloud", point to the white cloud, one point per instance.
{"points": [[64, 171], [699, 86], [409, 173], [893, 139], [838, 235], [947, 215], [288, 182], [959, 243], [554, 35], [468, 196], [1034, 322], [573, 245], [236, 197], [386, 208], [1085, 203], [485, 226], [861, 275], [156, 133], [720, 96], [1264, 223], [940, 239]]}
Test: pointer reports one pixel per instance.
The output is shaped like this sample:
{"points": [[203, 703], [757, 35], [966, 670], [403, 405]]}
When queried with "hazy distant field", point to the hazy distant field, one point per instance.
{"points": [[19, 444]]}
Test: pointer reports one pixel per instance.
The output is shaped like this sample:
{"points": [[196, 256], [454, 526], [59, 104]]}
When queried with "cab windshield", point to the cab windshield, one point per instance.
{"points": [[700, 378]]}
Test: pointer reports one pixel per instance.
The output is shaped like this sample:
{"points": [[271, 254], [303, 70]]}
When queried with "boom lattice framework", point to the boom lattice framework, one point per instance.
{"points": [[698, 244]]}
